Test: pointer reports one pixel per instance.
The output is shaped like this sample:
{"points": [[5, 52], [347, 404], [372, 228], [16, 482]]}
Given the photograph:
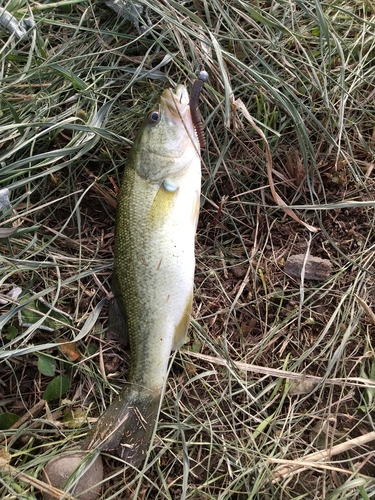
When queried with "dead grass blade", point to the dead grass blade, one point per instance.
{"points": [[284, 374], [278, 200]]}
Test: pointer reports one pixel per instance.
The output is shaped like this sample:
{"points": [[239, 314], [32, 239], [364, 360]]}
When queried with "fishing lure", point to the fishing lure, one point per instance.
{"points": [[194, 107]]}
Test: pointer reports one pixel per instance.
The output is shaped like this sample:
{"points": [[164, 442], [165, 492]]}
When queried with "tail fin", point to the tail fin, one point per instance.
{"points": [[126, 426]]}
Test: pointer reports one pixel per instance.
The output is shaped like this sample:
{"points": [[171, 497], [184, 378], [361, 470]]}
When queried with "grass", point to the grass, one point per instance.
{"points": [[273, 396]]}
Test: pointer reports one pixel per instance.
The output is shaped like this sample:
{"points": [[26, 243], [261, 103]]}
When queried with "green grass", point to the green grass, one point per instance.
{"points": [[239, 403]]}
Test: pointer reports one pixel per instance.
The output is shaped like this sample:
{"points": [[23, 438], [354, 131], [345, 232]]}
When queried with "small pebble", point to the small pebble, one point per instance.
{"points": [[315, 269], [57, 471]]}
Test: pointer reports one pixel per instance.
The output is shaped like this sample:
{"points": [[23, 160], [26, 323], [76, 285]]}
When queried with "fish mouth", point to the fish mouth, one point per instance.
{"points": [[175, 104], [182, 94]]}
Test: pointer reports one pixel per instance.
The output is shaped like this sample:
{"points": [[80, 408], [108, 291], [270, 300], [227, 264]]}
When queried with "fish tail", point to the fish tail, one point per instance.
{"points": [[126, 426]]}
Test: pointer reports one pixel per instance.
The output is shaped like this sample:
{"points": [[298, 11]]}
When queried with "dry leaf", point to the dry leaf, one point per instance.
{"points": [[68, 349]]}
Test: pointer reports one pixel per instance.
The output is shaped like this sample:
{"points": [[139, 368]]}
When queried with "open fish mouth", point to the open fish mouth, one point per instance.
{"points": [[182, 94], [176, 102]]}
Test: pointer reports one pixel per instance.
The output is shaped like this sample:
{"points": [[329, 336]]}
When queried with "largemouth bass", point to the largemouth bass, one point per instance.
{"points": [[156, 220]]}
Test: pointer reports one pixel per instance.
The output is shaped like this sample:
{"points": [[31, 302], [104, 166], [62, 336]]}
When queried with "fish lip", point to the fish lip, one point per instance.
{"points": [[182, 94], [176, 104]]}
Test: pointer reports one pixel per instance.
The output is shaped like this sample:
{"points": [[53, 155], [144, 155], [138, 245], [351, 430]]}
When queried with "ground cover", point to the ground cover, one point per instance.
{"points": [[272, 397]]}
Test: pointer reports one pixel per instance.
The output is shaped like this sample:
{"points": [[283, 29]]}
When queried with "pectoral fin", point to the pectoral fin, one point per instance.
{"points": [[163, 201]]}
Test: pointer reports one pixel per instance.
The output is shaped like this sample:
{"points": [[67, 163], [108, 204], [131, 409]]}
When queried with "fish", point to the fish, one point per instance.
{"points": [[156, 221]]}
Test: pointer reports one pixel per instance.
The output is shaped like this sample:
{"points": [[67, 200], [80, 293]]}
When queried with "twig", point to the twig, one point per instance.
{"points": [[290, 467]]}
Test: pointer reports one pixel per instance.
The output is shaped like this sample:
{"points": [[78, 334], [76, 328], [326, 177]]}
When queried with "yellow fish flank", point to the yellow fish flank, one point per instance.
{"points": [[156, 221]]}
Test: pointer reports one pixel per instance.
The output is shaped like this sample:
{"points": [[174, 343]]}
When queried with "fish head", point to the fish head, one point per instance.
{"points": [[166, 143]]}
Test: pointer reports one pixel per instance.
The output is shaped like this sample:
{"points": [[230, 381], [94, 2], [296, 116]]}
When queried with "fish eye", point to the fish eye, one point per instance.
{"points": [[153, 117]]}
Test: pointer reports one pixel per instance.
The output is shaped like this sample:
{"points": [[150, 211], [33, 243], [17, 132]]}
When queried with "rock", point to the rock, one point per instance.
{"points": [[59, 469], [315, 269]]}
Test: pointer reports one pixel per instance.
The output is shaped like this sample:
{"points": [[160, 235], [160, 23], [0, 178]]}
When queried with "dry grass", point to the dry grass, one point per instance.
{"points": [[273, 396]]}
